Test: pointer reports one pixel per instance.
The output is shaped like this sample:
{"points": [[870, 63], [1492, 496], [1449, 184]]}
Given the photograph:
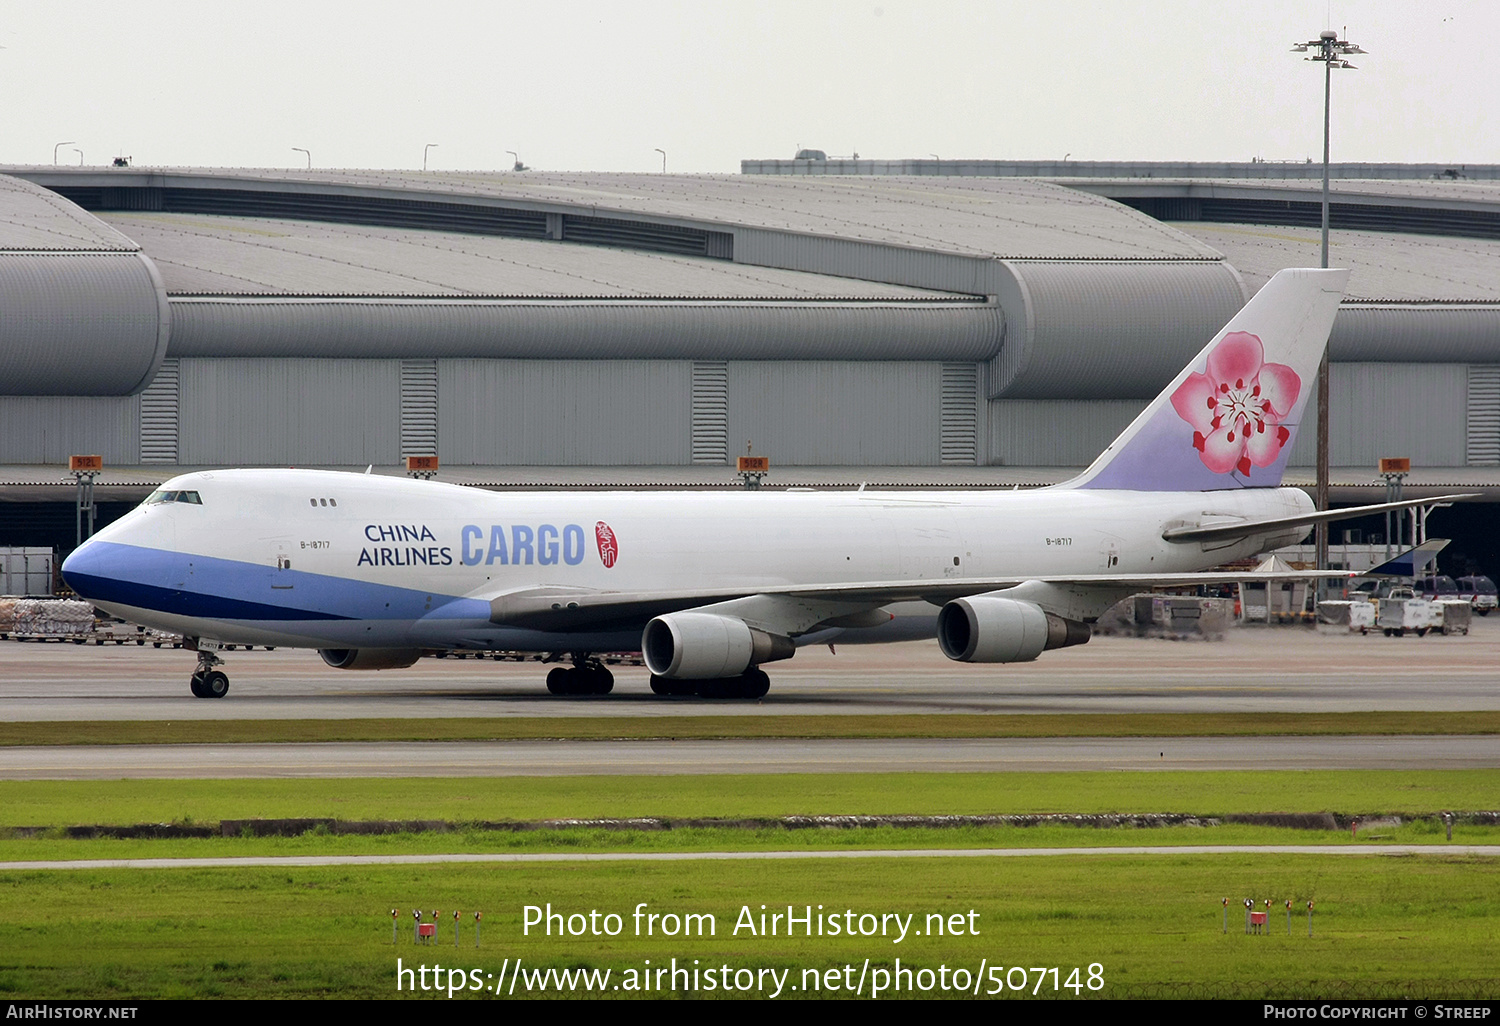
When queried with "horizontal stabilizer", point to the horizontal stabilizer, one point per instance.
{"points": [[1412, 562], [1244, 529]]}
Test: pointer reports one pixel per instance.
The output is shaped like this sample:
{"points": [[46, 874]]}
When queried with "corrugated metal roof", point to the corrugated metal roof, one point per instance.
{"points": [[1386, 266], [215, 255], [1435, 192], [1015, 218], [33, 218]]}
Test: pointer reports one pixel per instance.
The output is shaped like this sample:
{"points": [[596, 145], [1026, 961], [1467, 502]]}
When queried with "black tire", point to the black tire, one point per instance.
{"points": [[673, 686], [195, 684], [215, 684], [1482, 612], [719, 687], [601, 681], [755, 683], [559, 681], [1421, 632]]}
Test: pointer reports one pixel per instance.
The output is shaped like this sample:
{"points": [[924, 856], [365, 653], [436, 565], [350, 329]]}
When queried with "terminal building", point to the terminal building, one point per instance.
{"points": [[891, 323]]}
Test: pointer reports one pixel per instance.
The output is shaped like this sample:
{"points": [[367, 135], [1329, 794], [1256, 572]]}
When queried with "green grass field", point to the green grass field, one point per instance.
{"points": [[64, 803], [1383, 926], [769, 723]]}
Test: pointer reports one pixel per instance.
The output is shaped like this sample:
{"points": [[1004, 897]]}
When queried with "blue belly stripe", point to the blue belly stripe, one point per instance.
{"points": [[226, 589], [186, 603]]}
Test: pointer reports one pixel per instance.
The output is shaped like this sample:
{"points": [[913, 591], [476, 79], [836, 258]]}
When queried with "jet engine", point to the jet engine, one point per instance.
{"points": [[700, 646], [990, 629], [370, 658]]}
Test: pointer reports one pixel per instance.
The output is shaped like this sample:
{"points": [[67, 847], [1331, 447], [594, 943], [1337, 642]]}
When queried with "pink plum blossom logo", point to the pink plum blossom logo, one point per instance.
{"points": [[1237, 406]]}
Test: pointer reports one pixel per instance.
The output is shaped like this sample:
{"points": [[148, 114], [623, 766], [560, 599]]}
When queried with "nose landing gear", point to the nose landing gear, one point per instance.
{"points": [[207, 682]]}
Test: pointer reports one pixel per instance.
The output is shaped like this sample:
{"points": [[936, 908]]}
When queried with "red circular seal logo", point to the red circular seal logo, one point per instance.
{"points": [[609, 548]]}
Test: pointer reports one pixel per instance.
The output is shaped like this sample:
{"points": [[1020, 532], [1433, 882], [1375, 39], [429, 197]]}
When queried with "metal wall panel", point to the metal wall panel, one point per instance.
{"points": [[1056, 432], [710, 412], [1416, 333], [586, 329], [290, 412], [1483, 441], [960, 414], [419, 408], [814, 413], [1117, 330], [50, 429], [565, 412], [160, 404], [1390, 409]]}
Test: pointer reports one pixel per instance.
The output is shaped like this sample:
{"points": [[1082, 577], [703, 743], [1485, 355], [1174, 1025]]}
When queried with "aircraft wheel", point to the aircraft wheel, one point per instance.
{"points": [[601, 681], [195, 684], [215, 684], [755, 683], [673, 686], [719, 687], [560, 680]]}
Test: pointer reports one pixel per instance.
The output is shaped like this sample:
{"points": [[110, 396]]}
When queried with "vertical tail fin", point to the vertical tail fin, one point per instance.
{"points": [[1229, 418]]}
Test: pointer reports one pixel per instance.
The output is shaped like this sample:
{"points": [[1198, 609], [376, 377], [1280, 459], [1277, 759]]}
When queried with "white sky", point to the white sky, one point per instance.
{"points": [[599, 85]]}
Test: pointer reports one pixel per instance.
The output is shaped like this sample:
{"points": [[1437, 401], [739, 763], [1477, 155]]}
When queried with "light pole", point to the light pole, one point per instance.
{"points": [[424, 154], [308, 153], [1331, 50], [58, 147], [517, 166], [80, 156], [663, 159]]}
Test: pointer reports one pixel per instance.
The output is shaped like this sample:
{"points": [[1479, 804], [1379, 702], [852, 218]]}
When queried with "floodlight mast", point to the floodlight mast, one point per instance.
{"points": [[1332, 52]]}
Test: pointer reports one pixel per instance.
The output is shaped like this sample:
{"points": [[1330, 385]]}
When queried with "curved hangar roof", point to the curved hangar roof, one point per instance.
{"points": [[1068, 294], [68, 283]]}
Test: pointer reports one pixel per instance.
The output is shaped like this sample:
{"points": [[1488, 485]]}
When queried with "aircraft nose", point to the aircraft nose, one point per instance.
{"points": [[84, 567]]}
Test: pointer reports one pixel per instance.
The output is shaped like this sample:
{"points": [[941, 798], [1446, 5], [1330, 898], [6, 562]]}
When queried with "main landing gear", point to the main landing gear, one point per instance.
{"points": [[587, 676], [753, 683], [206, 681]]}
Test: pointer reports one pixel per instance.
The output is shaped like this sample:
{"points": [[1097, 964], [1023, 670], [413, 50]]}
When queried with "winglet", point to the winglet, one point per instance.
{"points": [[1229, 419]]}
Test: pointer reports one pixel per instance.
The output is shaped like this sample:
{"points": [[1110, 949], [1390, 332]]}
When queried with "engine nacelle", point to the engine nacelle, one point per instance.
{"points": [[700, 646], [990, 629], [370, 658]]}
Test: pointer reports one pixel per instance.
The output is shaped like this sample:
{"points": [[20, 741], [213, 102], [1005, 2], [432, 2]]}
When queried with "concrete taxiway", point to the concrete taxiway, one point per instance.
{"points": [[1276, 669], [760, 756]]}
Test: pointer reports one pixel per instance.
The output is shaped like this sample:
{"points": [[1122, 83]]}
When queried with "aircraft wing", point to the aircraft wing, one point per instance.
{"points": [[794, 609], [1245, 528]]}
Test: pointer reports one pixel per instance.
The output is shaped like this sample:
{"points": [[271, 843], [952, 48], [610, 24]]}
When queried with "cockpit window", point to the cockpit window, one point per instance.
{"points": [[164, 495]]}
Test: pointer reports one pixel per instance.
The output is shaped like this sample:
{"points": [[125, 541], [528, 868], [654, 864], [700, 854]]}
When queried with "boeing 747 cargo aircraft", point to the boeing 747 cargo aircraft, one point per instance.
{"points": [[374, 571]]}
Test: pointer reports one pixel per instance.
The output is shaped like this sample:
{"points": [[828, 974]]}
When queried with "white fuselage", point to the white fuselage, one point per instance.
{"points": [[327, 560]]}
